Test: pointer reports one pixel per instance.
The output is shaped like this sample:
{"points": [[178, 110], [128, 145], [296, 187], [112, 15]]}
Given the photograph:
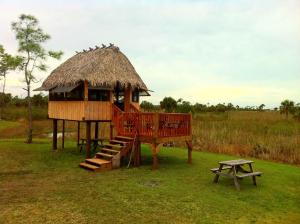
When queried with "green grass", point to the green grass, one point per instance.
{"points": [[38, 185], [7, 124]]}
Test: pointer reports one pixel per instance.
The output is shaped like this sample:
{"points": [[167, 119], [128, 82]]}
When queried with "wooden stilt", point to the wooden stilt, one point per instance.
{"points": [[137, 154], [190, 148], [63, 135], [88, 139], [154, 161], [96, 130], [54, 140], [78, 132], [155, 150]]}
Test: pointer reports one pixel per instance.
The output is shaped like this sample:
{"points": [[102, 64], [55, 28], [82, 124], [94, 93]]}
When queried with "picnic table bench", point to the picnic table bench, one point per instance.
{"points": [[235, 171]]}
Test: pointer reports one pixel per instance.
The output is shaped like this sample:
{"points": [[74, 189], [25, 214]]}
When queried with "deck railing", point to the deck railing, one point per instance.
{"points": [[156, 125]]}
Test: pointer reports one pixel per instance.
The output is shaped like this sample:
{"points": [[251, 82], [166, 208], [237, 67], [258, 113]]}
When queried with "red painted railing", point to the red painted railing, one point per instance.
{"points": [[151, 124], [174, 125]]}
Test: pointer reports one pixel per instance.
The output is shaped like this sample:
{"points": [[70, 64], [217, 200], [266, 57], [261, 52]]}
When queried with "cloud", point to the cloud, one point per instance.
{"points": [[179, 47]]}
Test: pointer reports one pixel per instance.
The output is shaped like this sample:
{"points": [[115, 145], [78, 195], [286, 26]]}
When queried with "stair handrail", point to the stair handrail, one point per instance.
{"points": [[132, 149]]}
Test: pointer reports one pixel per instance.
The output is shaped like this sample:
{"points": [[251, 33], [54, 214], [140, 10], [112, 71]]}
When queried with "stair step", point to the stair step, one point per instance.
{"points": [[110, 150], [118, 142], [96, 161], [89, 166], [124, 138], [104, 154], [113, 146]]}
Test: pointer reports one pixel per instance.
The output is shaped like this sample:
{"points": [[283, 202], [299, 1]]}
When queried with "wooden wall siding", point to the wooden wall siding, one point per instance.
{"points": [[95, 110], [77, 110], [69, 110]]}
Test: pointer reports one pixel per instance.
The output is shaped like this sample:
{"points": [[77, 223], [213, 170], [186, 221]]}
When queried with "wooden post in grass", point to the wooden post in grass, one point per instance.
{"points": [[190, 148], [63, 135], [88, 139], [155, 150], [137, 154], [54, 136], [78, 132]]}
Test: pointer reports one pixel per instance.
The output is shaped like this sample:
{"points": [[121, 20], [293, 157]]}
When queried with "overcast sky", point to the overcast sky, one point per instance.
{"points": [[242, 51]]}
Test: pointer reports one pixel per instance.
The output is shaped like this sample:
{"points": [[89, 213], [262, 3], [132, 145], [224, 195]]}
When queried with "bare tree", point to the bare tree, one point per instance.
{"points": [[30, 38]]}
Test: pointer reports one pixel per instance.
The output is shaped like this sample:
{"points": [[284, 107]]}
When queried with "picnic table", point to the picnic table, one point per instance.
{"points": [[94, 141], [235, 170]]}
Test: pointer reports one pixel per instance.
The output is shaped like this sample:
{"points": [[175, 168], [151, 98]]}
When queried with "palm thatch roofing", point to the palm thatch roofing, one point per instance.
{"points": [[101, 67]]}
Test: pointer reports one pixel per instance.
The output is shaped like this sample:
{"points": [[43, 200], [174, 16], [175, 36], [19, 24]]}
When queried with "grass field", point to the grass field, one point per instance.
{"points": [[39, 186], [266, 135]]}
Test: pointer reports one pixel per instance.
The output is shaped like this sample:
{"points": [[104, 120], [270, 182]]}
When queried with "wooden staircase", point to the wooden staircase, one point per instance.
{"points": [[110, 155]]}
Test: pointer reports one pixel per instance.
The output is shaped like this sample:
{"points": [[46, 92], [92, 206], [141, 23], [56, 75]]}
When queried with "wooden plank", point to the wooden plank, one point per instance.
{"points": [[235, 162], [110, 150], [118, 142], [97, 161], [104, 155], [66, 110], [249, 174], [124, 138], [223, 168], [89, 166]]}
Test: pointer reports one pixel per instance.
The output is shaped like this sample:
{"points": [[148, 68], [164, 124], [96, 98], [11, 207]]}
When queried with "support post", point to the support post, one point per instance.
{"points": [[155, 150], [78, 132], [63, 135], [88, 139], [137, 154], [190, 149], [154, 161], [54, 139], [96, 130]]}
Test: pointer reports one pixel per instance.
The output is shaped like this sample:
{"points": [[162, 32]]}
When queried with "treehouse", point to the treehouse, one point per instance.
{"points": [[101, 85]]}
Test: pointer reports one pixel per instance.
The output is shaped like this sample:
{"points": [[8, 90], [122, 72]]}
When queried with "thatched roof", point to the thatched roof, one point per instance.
{"points": [[104, 66]]}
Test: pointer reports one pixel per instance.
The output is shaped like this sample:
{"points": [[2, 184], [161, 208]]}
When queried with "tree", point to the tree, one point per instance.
{"points": [[220, 108], [184, 107], [198, 107], [286, 107], [261, 107], [168, 104], [297, 112], [7, 63], [30, 38], [147, 106]]}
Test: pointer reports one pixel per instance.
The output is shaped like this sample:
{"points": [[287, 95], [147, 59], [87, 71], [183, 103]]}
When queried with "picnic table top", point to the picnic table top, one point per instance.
{"points": [[235, 162]]}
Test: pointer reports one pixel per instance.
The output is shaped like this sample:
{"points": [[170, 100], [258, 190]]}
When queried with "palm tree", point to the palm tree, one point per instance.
{"points": [[286, 107]]}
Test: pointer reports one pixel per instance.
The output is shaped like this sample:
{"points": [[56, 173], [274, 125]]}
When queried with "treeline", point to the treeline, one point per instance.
{"points": [[169, 105], [38, 100]]}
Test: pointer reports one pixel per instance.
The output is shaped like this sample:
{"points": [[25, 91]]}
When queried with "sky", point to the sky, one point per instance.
{"points": [[246, 52]]}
